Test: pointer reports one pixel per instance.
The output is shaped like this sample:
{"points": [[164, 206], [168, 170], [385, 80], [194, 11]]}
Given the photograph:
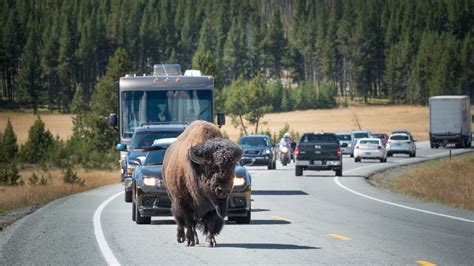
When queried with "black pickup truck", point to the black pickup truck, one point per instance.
{"points": [[318, 151]]}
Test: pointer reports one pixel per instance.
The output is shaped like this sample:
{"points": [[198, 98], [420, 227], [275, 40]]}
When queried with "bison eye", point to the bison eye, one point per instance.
{"points": [[222, 192]]}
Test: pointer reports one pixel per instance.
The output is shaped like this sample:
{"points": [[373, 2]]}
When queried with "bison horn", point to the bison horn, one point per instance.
{"points": [[195, 158]]}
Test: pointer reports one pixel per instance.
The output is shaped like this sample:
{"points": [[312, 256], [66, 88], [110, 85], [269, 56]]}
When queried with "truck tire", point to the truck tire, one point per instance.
{"points": [[128, 196], [244, 219], [298, 170], [134, 217], [339, 172], [140, 219]]}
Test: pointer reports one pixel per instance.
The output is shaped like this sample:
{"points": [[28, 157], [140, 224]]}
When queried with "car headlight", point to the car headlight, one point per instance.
{"points": [[152, 181], [349, 145], [239, 181], [284, 149], [267, 151]]}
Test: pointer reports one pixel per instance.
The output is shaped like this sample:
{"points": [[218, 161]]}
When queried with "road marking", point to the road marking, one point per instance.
{"points": [[425, 263], [341, 237], [336, 180], [99, 234], [276, 217]]}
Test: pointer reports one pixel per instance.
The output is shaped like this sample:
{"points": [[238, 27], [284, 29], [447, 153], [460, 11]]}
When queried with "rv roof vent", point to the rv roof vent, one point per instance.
{"points": [[166, 70], [193, 73]]}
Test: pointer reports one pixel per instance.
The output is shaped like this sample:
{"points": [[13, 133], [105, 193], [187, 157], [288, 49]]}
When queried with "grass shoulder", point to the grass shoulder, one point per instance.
{"points": [[18, 201], [443, 181]]}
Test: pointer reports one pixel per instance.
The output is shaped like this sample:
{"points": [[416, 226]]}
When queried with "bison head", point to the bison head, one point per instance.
{"points": [[213, 163]]}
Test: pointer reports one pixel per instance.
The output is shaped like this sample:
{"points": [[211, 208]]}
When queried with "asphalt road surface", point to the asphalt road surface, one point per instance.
{"points": [[312, 219]]}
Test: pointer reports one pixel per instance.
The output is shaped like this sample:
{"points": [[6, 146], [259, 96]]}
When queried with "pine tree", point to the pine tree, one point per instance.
{"points": [[9, 146], [38, 145], [275, 45], [29, 84]]}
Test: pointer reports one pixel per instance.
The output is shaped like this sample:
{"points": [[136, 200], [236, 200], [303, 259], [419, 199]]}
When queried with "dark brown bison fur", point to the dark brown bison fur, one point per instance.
{"points": [[198, 170]]}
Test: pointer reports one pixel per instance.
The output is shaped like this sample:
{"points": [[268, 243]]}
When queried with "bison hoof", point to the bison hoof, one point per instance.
{"points": [[211, 242], [190, 243], [180, 235]]}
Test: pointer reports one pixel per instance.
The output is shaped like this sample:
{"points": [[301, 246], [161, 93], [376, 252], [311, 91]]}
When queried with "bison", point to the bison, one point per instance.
{"points": [[198, 171]]}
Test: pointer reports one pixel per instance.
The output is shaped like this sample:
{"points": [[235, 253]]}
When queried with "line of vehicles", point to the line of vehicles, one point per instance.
{"points": [[155, 109]]}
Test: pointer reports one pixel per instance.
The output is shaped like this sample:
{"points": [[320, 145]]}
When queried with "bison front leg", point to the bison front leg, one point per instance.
{"points": [[180, 234], [190, 236], [213, 225]]}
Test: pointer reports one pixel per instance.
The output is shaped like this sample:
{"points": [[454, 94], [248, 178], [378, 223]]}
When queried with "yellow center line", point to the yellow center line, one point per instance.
{"points": [[276, 217], [425, 263], [341, 237]]}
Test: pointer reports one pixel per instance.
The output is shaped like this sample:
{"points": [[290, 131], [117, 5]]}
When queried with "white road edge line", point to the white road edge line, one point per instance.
{"points": [[99, 234], [336, 180]]}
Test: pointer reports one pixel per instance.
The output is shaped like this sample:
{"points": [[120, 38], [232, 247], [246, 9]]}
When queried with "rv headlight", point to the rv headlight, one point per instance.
{"points": [[150, 181]]}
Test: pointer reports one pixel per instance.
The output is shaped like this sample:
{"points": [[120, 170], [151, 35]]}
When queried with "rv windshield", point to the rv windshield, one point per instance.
{"points": [[164, 106]]}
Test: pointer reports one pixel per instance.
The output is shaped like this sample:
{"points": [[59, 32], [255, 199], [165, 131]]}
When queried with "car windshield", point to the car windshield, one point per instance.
{"points": [[318, 137], [145, 139], [163, 106], [344, 137], [155, 157], [361, 135], [399, 137], [253, 142], [367, 142]]}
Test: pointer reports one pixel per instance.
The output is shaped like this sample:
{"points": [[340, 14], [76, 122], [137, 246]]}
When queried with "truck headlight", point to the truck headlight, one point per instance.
{"points": [[150, 181], [239, 181]]}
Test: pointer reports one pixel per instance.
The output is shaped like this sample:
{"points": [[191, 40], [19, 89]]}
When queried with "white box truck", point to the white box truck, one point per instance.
{"points": [[450, 121]]}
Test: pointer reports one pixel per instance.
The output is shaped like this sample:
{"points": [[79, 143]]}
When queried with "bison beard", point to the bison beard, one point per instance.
{"points": [[198, 171]]}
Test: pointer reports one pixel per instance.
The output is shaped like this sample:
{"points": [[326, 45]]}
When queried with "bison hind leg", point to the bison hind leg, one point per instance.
{"points": [[190, 236], [195, 235]]}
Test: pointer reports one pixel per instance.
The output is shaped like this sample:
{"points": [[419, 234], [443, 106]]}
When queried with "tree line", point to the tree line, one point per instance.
{"points": [[403, 50]]}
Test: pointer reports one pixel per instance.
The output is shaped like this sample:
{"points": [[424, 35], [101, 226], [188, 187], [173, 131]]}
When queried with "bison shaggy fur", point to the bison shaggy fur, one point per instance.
{"points": [[198, 171]]}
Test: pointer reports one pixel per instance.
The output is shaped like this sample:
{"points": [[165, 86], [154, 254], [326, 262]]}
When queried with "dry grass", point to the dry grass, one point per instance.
{"points": [[59, 124], [441, 181], [375, 118], [22, 196]]}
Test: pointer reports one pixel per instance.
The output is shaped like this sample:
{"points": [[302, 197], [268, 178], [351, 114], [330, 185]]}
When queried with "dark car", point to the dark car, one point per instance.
{"points": [[258, 150], [143, 137], [318, 151], [150, 197]]}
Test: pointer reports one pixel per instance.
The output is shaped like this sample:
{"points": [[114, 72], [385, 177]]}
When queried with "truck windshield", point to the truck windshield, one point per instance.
{"points": [[163, 106], [155, 157]]}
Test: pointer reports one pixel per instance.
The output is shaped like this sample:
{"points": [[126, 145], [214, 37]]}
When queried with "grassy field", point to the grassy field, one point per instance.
{"points": [[59, 124], [375, 118], [26, 195], [442, 181]]}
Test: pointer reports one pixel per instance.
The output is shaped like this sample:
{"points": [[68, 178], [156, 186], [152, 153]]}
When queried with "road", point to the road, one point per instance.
{"points": [[312, 219]]}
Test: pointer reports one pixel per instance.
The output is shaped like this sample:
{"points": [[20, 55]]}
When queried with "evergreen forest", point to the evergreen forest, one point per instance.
{"points": [[54, 53]]}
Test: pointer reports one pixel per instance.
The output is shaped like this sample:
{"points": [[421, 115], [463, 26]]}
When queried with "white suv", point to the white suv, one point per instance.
{"points": [[401, 143]]}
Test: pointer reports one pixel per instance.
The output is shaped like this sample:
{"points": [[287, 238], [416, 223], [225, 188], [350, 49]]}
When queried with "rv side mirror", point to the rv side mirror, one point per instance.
{"points": [[220, 119], [112, 120]]}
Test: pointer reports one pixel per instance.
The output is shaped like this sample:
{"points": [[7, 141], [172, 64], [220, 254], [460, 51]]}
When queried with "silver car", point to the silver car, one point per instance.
{"points": [[345, 139], [401, 143]]}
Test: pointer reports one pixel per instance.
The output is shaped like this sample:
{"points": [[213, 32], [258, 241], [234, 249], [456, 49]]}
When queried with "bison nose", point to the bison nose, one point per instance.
{"points": [[222, 193]]}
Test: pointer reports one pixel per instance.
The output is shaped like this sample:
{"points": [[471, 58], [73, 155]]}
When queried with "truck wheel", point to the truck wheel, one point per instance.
{"points": [[140, 219], [298, 170], [128, 196], [134, 206], [339, 172], [245, 219]]}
